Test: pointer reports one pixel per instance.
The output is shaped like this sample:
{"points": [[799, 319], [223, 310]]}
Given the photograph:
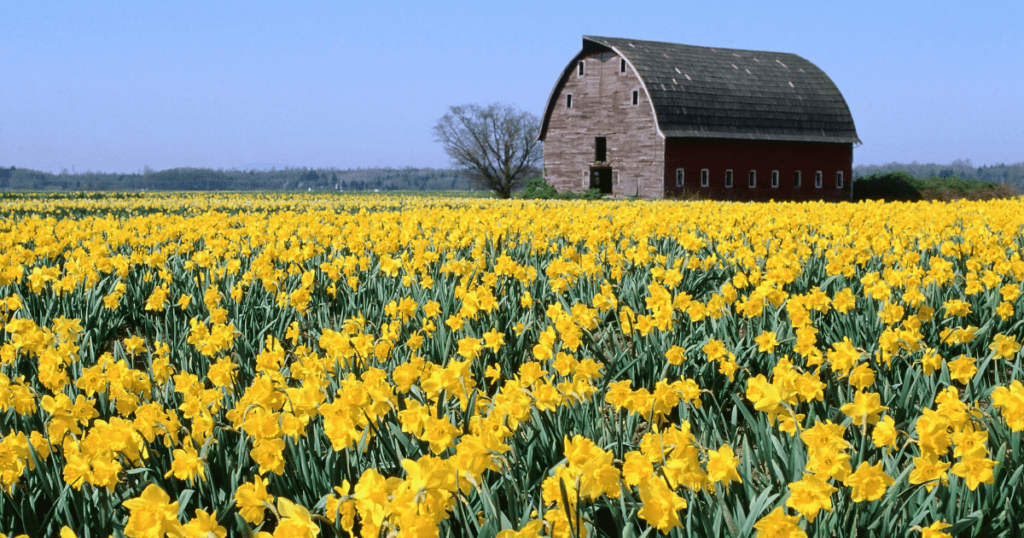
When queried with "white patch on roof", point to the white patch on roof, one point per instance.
{"points": [[791, 84], [734, 66], [748, 71], [780, 63], [678, 71], [688, 77], [674, 81]]}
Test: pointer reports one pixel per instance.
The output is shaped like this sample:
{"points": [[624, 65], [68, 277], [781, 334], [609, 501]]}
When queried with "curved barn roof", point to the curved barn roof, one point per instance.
{"points": [[710, 92]]}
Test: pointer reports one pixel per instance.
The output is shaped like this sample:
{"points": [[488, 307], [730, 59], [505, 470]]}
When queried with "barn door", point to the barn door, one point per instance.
{"points": [[601, 178]]}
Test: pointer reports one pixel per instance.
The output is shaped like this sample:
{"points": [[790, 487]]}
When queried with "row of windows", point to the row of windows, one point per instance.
{"points": [[622, 67], [752, 178], [635, 99]]}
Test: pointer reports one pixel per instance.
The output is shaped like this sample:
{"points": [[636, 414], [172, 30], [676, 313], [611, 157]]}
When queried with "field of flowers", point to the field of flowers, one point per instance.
{"points": [[320, 365]]}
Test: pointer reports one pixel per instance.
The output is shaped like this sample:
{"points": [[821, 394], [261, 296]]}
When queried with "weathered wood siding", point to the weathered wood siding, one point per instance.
{"points": [[602, 106], [742, 156]]}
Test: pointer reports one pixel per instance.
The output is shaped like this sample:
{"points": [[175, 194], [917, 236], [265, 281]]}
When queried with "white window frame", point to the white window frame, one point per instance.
{"points": [[636, 97], [797, 179], [817, 179], [580, 71], [568, 100], [775, 179], [704, 177], [680, 177], [752, 179], [728, 179], [839, 179]]}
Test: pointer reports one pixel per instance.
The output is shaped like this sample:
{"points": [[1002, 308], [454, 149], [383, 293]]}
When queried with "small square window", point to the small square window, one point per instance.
{"points": [[622, 65], [636, 97], [580, 71], [752, 179], [568, 100], [680, 176], [775, 179], [839, 179], [796, 179], [704, 178], [817, 179], [728, 179]]}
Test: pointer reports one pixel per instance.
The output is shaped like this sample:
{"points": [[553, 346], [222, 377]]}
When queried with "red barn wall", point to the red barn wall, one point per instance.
{"points": [[741, 156], [602, 106]]}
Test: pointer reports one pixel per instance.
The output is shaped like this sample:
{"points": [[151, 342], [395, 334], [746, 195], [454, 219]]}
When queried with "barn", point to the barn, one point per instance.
{"points": [[655, 120]]}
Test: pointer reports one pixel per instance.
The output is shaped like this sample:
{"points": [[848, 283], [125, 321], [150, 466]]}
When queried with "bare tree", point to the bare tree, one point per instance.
{"points": [[497, 144]]}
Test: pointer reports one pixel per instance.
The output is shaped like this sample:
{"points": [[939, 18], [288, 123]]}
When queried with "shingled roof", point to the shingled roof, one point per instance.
{"points": [[729, 93]]}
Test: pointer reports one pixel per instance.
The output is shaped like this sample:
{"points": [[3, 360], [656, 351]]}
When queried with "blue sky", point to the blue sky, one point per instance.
{"points": [[116, 86]]}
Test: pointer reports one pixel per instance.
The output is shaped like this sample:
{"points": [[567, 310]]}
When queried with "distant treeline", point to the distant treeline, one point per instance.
{"points": [[1011, 175], [386, 179], [205, 179]]}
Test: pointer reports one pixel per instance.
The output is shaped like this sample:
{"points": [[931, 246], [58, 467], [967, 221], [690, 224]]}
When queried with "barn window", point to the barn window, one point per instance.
{"points": [[752, 179], [622, 65], [817, 179], [568, 100], [704, 178], [600, 149], [775, 179], [580, 72], [680, 176], [839, 179], [796, 179], [636, 97], [728, 179]]}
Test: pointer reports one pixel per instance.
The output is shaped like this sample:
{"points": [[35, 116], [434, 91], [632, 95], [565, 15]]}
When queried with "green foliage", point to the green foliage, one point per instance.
{"points": [[537, 189], [902, 186], [889, 186], [953, 183]]}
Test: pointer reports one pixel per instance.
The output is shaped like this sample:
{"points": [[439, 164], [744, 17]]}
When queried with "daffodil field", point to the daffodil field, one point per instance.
{"points": [[297, 365]]}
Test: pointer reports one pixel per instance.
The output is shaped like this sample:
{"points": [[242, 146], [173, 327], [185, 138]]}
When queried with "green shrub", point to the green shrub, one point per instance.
{"points": [[537, 189], [890, 186]]}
